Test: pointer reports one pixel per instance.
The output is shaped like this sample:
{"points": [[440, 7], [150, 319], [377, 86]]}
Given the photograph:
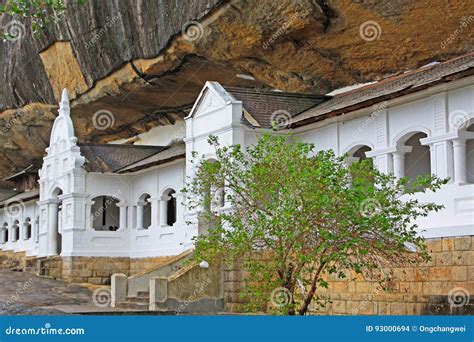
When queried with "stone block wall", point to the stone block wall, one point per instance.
{"points": [[142, 265], [422, 290], [93, 270]]}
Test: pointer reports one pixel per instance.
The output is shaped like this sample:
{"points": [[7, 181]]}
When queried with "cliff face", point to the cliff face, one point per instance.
{"points": [[142, 63]]}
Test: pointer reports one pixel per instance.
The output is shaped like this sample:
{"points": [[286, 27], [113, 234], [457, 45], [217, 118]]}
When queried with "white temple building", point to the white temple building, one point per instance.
{"points": [[123, 201]]}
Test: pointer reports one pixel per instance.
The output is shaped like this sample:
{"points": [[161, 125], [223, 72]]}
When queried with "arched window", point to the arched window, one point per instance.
{"points": [[411, 159], [15, 231], [168, 208], [357, 153], [27, 229], [470, 156], [417, 162], [144, 212], [5, 233], [105, 213], [171, 208]]}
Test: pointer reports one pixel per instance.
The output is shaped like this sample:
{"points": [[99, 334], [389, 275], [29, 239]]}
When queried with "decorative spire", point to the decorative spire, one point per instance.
{"points": [[64, 104]]}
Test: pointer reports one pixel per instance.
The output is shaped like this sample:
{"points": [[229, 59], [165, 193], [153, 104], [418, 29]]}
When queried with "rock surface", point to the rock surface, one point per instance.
{"points": [[146, 61]]}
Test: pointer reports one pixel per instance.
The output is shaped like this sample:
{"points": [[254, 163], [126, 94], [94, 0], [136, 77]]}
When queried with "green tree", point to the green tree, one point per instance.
{"points": [[298, 216], [40, 13]]}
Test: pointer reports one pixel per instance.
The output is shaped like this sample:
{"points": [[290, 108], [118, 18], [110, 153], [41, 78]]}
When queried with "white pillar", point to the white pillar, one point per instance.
{"points": [[459, 151], [122, 216], [53, 228], [154, 211], [140, 207], [398, 164], [351, 160]]}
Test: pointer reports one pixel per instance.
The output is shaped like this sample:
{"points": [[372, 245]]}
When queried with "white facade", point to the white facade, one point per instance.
{"points": [[429, 131]]}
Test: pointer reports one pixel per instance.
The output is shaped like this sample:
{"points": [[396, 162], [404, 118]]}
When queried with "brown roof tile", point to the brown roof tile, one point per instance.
{"points": [[391, 87], [109, 158], [261, 104]]}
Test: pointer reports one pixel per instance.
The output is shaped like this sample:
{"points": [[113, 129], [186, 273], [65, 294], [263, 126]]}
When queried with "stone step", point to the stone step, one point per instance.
{"points": [[133, 306], [144, 300], [143, 294]]}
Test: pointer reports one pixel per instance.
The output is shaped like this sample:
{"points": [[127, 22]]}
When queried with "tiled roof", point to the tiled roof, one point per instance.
{"points": [[14, 196], [388, 88], [107, 158], [262, 104], [168, 154]]}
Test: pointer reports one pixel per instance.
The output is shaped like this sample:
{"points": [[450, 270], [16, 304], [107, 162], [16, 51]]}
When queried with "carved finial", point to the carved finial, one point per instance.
{"points": [[65, 95], [64, 104]]}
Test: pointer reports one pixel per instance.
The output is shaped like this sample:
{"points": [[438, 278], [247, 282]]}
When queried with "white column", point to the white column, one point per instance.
{"points": [[140, 206], [122, 216], [179, 208], [351, 160], [459, 151], [163, 210], [398, 164], [154, 211], [399, 160], [53, 228]]}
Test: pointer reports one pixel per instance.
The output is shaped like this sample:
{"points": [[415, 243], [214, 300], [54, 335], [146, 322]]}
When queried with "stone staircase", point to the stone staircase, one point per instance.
{"points": [[137, 286], [139, 303], [180, 287]]}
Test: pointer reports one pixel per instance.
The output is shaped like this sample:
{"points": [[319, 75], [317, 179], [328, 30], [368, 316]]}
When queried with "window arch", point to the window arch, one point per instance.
{"points": [[417, 161], [105, 213], [170, 212], [5, 233], [15, 231], [27, 229], [144, 212], [357, 153], [412, 159], [470, 156]]}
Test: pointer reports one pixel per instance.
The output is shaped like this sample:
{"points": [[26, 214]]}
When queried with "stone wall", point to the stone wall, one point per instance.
{"points": [[11, 259], [93, 270], [422, 290]]}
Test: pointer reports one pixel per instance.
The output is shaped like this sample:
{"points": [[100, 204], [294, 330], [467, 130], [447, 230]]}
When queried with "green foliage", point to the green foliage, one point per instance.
{"points": [[298, 216], [41, 13]]}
